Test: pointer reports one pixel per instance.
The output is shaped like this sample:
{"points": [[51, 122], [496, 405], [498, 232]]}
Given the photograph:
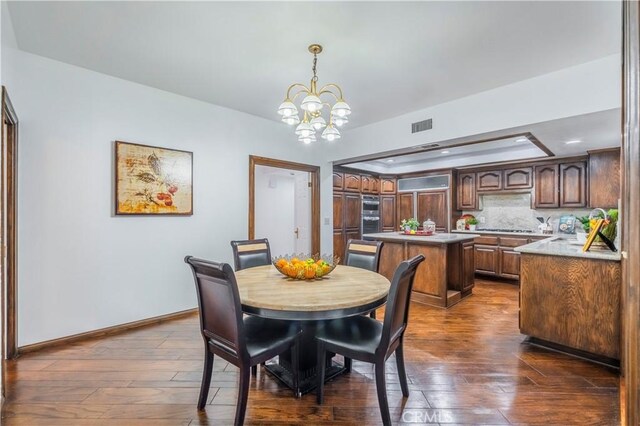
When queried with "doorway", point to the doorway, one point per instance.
{"points": [[284, 205]]}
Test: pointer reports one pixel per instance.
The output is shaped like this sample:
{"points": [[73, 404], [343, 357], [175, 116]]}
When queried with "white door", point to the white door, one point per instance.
{"points": [[302, 213]]}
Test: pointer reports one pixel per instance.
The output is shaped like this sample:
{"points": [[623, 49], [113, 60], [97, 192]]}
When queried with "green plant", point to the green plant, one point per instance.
{"points": [[411, 223], [586, 226], [472, 221]]}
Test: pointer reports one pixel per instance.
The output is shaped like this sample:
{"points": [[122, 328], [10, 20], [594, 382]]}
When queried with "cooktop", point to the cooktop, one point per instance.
{"points": [[521, 231]]}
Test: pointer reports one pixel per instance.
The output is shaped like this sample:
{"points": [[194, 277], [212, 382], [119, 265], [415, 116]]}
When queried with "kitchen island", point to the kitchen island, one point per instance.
{"points": [[569, 299], [447, 274]]}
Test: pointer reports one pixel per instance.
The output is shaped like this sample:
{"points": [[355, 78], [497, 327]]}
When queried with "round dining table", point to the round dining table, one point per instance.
{"points": [[345, 292]]}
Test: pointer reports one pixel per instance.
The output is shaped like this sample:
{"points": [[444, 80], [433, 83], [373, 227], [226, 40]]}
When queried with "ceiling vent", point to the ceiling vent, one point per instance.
{"points": [[421, 126]]}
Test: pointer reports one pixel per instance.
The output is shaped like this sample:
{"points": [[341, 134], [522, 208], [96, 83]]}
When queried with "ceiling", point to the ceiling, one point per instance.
{"points": [[390, 57]]}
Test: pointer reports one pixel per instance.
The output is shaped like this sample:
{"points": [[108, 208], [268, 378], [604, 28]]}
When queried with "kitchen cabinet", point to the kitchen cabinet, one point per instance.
{"points": [[338, 244], [352, 182], [352, 211], [494, 255], [466, 191], [489, 180], [404, 206], [547, 182], [338, 181], [338, 211], [521, 178], [365, 184], [387, 185], [509, 263], [346, 220], [486, 259], [468, 257], [388, 220], [433, 205], [375, 185], [604, 178], [573, 182]]}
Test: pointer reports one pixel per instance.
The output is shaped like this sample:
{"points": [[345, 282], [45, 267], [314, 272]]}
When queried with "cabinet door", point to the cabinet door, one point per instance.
{"points": [[375, 185], [387, 186], [573, 184], [405, 206], [388, 213], [338, 181], [466, 196], [338, 211], [518, 178], [509, 264], [352, 235], [352, 211], [433, 205], [352, 182], [604, 179], [547, 183], [365, 184], [486, 259], [468, 266], [338, 244], [489, 181]]}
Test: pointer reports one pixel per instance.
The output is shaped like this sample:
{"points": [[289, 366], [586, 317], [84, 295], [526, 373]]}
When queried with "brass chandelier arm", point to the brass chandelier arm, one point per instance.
{"points": [[326, 86], [322, 92], [298, 94], [296, 85]]}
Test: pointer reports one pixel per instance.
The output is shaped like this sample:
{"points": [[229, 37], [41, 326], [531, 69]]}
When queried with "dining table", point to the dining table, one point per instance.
{"points": [[346, 291]]}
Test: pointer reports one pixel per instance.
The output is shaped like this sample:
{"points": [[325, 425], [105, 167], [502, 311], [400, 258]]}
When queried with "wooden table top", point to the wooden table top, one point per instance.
{"points": [[346, 288]]}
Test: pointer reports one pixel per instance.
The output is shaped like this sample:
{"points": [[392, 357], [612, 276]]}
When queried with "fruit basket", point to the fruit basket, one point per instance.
{"points": [[300, 267]]}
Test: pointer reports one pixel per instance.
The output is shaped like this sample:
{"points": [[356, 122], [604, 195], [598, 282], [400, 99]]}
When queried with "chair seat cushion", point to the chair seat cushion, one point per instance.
{"points": [[266, 335], [358, 334]]}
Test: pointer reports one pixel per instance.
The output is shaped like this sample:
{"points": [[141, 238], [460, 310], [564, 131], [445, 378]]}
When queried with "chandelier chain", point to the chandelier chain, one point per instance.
{"points": [[315, 62]]}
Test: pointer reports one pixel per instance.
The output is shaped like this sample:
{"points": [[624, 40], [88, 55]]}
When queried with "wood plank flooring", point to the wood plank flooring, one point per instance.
{"points": [[466, 365]]}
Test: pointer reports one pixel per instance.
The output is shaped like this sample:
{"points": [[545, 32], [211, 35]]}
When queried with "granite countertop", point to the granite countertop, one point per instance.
{"points": [[558, 246], [524, 234], [437, 238]]}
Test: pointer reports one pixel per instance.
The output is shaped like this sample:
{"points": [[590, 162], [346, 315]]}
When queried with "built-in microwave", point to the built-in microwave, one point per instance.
{"points": [[370, 214]]}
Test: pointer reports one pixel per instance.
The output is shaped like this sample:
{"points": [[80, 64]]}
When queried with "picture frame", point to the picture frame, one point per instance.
{"points": [[152, 180]]}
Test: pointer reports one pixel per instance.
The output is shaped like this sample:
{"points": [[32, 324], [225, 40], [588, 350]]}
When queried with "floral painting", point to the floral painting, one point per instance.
{"points": [[153, 180]]}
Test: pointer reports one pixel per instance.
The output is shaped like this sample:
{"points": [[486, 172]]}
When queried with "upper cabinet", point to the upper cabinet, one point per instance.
{"points": [[433, 205], [466, 197], [489, 181], [369, 184], [352, 182], [573, 184], [547, 181], [604, 178], [521, 178], [387, 185], [338, 181]]}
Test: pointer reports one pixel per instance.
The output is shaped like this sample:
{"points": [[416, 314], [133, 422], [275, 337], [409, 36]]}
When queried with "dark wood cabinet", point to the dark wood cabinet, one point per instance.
{"points": [[338, 181], [521, 178], [486, 259], [468, 266], [338, 244], [433, 205], [604, 178], [365, 184], [352, 211], [466, 191], [375, 185], [573, 182], [509, 263], [353, 234], [547, 183], [346, 220], [388, 220], [352, 182], [404, 206], [338, 211], [387, 186], [489, 181]]}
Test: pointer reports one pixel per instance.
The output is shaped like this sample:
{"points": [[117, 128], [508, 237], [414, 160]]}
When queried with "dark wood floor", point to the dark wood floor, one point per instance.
{"points": [[466, 365]]}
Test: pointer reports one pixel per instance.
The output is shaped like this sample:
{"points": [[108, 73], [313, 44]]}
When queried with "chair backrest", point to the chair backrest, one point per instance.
{"points": [[250, 253], [397, 309], [363, 254], [219, 305]]}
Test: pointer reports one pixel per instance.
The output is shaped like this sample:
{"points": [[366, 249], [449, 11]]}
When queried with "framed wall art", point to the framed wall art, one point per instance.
{"points": [[153, 181]]}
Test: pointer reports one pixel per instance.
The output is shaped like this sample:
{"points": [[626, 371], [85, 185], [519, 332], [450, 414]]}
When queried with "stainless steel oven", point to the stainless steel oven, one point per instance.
{"points": [[370, 214]]}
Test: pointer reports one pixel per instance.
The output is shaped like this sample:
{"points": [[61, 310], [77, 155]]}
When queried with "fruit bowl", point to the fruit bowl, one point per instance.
{"points": [[300, 267]]}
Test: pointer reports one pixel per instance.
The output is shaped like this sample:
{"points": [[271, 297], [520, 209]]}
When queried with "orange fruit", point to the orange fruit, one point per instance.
{"points": [[295, 260], [309, 272], [281, 263]]}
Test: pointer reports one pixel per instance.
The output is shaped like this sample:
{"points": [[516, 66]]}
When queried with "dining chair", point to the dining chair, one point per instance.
{"points": [[244, 341], [365, 339], [250, 253], [364, 254]]}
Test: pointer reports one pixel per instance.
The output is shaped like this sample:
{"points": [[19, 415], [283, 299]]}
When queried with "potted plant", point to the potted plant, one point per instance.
{"points": [[609, 230], [409, 225], [472, 222]]}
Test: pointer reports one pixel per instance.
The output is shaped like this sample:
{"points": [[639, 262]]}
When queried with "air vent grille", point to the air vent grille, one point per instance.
{"points": [[421, 126]]}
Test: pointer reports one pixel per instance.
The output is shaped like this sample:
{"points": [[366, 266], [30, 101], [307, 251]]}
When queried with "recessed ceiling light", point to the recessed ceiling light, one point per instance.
{"points": [[573, 141], [390, 160], [522, 140], [444, 152]]}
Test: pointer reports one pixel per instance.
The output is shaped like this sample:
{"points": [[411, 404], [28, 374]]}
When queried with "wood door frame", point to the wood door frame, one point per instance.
{"points": [[9, 240], [314, 172], [630, 176]]}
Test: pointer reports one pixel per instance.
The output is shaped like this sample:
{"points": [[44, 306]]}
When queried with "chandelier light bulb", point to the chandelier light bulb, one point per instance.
{"points": [[340, 121], [307, 139], [318, 122], [330, 133], [304, 129], [311, 103], [291, 119], [341, 109], [287, 108]]}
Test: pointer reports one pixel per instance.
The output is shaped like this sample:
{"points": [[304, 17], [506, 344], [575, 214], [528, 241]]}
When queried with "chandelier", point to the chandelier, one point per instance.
{"points": [[312, 105]]}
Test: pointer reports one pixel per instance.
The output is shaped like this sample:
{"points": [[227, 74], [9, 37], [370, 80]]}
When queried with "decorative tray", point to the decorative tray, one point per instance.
{"points": [[417, 233]]}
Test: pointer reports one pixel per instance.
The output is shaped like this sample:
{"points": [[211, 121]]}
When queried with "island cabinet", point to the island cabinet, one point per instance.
{"points": [[444, 278]]}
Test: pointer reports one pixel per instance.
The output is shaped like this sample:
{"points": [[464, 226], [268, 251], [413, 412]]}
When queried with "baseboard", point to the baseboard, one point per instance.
{"points": [[115, 329]]}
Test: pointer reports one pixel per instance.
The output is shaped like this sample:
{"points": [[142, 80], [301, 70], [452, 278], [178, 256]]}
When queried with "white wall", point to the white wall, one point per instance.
{"points": [[582, 89], [80, 268], [275, 206]]}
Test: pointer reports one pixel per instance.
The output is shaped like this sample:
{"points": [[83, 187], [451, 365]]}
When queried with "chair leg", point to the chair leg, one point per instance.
{"points": [[402, 374], [372, 314], [320, 370], [295, 366], [381, 388], [206, 378], [254, 370], [347, 364], [243, 395]]}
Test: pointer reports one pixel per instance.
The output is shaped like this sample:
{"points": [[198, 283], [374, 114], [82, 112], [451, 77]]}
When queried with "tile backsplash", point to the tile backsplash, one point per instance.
{"points": [[514, 211]]}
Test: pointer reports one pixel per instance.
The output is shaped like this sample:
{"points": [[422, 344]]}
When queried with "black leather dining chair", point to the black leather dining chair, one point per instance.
{"points": [[365, 339], [242, 341], [364, 254], [251, 253]]}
